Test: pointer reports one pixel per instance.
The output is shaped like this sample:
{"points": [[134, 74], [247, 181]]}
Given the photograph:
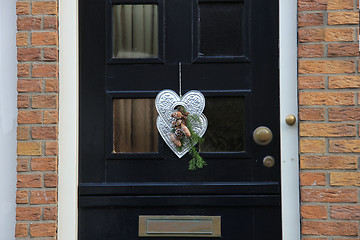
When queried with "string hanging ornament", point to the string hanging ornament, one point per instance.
{"points": [[181, 122]]}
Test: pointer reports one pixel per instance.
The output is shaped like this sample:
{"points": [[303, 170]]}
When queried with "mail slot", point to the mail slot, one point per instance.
{"points": [[179, 226]]}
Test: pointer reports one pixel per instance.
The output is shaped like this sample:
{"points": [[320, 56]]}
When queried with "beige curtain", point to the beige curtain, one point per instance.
{"points": [[135, 126], [135, 31]]}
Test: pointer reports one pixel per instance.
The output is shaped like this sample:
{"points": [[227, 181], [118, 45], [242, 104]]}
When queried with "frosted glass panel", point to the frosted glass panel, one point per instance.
{"points": [[134, 127], [135, 31]]}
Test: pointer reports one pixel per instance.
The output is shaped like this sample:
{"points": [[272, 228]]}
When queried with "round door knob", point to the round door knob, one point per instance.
{"points": [[262, 136], [269, 161], [290, 119]]}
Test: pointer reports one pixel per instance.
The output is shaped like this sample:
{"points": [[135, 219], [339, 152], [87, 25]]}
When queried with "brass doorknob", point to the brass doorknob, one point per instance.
{"points": [[269, 161], [290, 119], [262, 136]]}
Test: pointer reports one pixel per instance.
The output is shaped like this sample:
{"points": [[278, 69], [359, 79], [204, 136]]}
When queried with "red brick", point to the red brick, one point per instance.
{"points": [[44, 38], [29, 180], [343, 50], [312, 179], [313, 212], [311, 82], [23, 133], [329, 195], [42, 229], [310, 50], [45, 101], [29, 85], [43, 164], [312, 114], [338, 82], [346, 239], [51, 117], [43, 197], [328, 162], [28, 23], [28, 54], [307, 238], [44, 8], [50, 213], [23, 70], [327, 130], [50, 54], [25, 117], [51, 148], [22, 38], [344, 114], [311, 35], [345, 146], [51, 180], [22, 165], [44, 133], [310, 5], [343, 18], [330, 228], [345, 178], [339, 34], [52, 85], [348, 212], [312, 146], [310, 19], [21, 230], [23, 101], [50, 23], [22, 197], [326, 98], [45, 71], [23, 8], [28, 213], [326, 66], [340, 4]]}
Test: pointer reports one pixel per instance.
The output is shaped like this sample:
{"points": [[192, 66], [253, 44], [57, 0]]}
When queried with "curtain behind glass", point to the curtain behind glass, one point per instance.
{"points": [[135, 126], [135, 31]]}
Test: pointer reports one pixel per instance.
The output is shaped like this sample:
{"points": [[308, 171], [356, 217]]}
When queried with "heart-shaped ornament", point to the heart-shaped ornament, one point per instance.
{"points": [[194, 102]]}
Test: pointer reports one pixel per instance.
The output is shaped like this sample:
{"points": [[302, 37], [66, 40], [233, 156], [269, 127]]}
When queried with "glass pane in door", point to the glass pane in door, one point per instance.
{"points": [[135, 31], [221, 28], [226, 127], [134, 126]]}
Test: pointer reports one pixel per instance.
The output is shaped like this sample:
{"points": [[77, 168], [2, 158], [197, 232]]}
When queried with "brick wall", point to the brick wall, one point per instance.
{"points": [[329, 115], [37, 41]]}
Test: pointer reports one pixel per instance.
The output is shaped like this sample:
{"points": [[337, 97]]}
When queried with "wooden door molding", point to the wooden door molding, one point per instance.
{"points": [[68, 160]]}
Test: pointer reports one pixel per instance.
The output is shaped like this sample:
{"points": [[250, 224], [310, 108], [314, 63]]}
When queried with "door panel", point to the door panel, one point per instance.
{"points": [[116, 187], [239, 221]]}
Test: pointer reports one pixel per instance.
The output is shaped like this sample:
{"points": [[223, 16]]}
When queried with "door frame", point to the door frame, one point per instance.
{"points": [[69, 106]]}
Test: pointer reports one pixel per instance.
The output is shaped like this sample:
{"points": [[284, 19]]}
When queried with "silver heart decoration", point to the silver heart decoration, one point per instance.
{"points": [[165, 103]]}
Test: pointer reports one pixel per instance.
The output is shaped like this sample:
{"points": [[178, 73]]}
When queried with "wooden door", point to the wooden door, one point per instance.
{"points": [[129, 51]]}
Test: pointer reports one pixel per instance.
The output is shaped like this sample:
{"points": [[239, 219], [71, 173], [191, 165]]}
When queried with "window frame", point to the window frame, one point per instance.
{"points": [[109, 32]]}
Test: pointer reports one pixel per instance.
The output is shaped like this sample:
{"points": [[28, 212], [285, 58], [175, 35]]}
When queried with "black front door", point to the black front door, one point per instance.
{"points": [[131, 185]]}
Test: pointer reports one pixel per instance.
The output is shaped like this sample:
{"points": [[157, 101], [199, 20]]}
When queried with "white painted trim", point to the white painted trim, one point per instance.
{"points": [[289, 134], [68, 143], [68, 120]]}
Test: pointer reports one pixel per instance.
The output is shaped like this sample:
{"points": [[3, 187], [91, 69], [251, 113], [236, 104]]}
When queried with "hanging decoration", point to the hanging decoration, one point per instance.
{"points": [[181, 122]]}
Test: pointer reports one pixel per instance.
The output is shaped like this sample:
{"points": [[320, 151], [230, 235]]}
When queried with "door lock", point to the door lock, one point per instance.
{"points": [[262, 136], [269, 161]]}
